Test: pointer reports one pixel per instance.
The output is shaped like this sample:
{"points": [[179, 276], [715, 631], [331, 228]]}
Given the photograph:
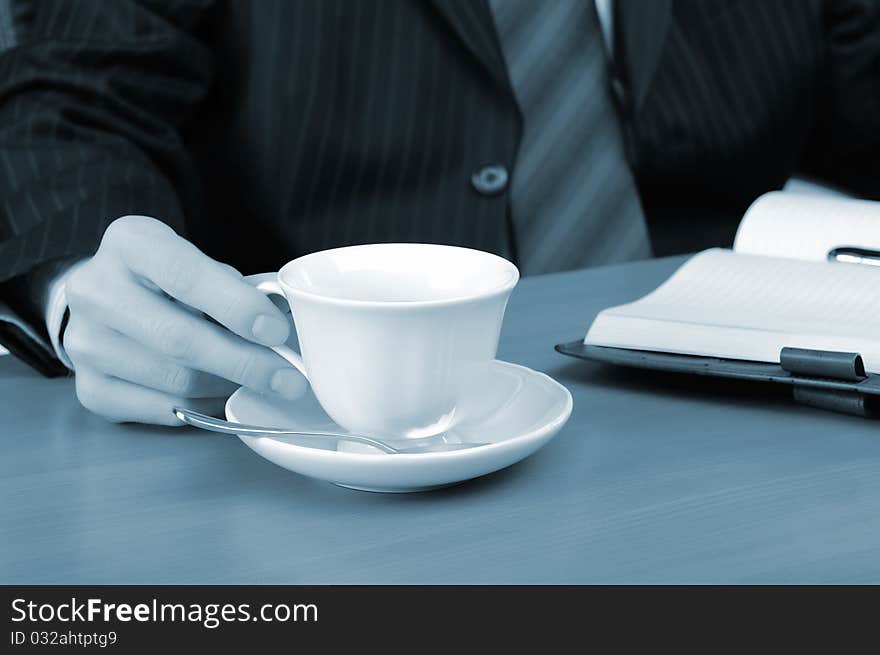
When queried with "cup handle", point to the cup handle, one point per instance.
{"points": [[268, 284]]}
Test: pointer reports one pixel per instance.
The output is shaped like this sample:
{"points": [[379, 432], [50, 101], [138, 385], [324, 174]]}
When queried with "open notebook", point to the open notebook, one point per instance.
{"points": [[776, 288]]}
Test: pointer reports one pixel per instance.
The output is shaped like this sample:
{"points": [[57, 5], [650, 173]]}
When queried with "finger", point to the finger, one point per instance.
{"points": [[234, 272], [120, 401], [229, 268], [184, 272], [193, 342], [113, 354]]}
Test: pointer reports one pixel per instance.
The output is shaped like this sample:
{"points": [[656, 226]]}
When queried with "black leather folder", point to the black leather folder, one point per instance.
{"points": [[829, 380]]}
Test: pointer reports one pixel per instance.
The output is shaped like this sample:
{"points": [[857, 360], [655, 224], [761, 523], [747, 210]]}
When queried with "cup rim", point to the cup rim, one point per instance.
{"points": [[492, 292]]}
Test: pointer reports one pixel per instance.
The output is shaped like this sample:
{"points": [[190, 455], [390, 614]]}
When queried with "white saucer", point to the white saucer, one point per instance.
{"points": [[520, 411]]}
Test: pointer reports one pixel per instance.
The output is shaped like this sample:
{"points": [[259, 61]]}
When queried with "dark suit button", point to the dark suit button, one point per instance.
{"points": [[490, 180]]}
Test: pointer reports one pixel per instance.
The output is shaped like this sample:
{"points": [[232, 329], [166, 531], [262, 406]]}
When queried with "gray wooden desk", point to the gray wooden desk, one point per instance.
{"points": [[653, 480]]}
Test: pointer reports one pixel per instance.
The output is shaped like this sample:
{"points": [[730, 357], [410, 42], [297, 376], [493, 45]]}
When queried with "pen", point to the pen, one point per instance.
{"points": [[851, 255]]}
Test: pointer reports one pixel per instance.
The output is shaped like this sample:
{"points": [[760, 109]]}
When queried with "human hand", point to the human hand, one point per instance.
{"points": [[139, 338]]}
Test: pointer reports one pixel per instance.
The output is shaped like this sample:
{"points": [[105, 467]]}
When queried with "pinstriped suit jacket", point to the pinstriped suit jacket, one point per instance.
{"points": [[266, 129]]}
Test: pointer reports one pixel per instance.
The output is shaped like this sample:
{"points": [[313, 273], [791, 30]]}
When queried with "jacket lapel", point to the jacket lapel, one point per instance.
{"points": [[640, 29], [472, 22]]}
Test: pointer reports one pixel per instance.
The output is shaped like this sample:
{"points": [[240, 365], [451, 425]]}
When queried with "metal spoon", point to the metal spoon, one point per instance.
{"points": [[213, 424]]}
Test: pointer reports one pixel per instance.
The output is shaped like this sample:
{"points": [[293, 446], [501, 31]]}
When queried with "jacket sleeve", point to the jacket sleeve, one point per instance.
{"points": [[846, 145], [92, 96]]}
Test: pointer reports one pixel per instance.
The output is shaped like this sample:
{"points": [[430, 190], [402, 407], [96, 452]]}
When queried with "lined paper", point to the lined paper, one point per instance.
{"points": [[807, 226], [742, 306]]}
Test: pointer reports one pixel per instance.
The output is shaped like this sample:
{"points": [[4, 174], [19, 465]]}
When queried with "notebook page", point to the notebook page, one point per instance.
{"points": [[803, 226], [725, 304]]}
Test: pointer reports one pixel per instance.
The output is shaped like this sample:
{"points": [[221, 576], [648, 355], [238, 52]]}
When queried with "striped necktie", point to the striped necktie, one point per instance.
{"points": [[573, 198]]}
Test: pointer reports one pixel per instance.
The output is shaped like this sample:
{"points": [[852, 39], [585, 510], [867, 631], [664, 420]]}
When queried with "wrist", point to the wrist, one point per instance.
{"points": [[56, 311]]}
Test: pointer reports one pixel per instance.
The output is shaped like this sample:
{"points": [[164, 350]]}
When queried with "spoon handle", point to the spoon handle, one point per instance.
{"points": [[206, 422]]}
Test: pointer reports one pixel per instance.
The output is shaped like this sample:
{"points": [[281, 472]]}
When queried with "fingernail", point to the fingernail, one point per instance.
{"points": [[288, 383], [269, 330]]}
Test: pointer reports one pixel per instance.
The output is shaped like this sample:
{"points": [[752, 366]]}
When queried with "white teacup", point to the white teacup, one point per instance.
{"points": [[395, 336]]}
